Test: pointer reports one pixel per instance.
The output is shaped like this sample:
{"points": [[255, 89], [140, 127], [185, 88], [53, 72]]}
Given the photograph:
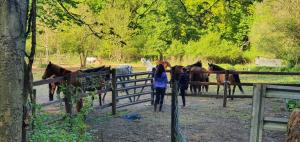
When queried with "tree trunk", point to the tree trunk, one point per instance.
{"points": [[161, 56], [13, 15]]}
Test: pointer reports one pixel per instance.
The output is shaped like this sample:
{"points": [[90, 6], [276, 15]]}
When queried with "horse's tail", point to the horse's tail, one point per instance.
{"points": [[238, 81]]}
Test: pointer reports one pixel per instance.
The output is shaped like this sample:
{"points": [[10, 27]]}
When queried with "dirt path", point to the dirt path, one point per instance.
{"points": [[204, 119]]}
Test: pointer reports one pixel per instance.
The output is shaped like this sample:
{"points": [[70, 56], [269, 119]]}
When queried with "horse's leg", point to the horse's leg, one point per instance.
{"points": [[51, 92], [233, 90], [124, 86], [79, 105], [99, 95], [218, 89], [229, 91], [195, 90], [103, 99], [200, 90]]}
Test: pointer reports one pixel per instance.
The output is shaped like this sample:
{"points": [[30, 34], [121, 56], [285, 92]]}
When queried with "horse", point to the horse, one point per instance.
{"points": [[54, 70], [233, 78], [124, 70], [175, 73], [90, 60], [199, 74], [166, 64], [149, 66]]}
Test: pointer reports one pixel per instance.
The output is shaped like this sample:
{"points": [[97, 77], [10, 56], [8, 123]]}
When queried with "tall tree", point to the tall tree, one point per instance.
{"points": [[13, 19]]}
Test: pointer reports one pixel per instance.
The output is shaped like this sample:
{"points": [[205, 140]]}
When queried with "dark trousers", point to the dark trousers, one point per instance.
{"points": [[182, 93], [159, 98]]}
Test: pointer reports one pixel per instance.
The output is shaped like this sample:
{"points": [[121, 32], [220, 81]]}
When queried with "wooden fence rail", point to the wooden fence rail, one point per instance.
{"points": [[259, 122], [226, 83]]}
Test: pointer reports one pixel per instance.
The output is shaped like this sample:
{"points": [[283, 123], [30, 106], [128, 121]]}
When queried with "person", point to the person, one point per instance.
{"points": [[183, 84], [160, 85]]}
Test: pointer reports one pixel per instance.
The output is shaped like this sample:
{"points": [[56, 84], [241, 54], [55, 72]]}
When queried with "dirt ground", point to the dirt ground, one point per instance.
{"points": [[202, 120]]}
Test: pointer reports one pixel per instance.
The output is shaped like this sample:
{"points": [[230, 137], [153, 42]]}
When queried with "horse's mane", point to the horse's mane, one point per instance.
{"points": [[216, 67], [57, 67], [197, 64]]}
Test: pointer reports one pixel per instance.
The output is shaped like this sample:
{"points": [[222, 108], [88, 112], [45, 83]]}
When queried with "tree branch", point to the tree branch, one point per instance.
{"points": [[201, 14], [152, 4], [79, 21], [185, 10], [29, 22]]}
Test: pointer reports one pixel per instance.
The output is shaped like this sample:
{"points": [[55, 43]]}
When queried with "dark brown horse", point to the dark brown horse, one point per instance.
{"points": [[53, 70], [175, 73], [233, 78], [198, 74]]}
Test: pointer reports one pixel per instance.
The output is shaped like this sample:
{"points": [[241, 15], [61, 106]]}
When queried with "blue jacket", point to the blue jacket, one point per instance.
{"points": [[161, 82]]}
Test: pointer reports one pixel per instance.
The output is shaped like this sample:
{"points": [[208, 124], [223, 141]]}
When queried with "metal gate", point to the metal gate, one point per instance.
{"points": [[133, 86]]}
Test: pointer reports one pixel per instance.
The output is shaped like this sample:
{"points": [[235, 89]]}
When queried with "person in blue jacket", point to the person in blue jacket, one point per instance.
{"points": [[183, 84], [160, 85]]}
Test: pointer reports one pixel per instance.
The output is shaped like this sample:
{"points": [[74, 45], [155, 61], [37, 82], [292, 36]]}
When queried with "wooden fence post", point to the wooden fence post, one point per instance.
{"points": [[68, 96], [135, 78], [257, 113], [114, 91], [225, 88], [152, 86], [174, 113]]}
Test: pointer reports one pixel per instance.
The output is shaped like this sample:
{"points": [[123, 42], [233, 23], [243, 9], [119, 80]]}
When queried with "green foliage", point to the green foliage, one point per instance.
{"points": [[133, 29], [276, 29], [213, 49], [72, 128], [69, 130]]}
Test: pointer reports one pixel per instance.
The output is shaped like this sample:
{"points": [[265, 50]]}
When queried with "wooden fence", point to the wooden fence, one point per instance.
{"points": [[226, 82], [141, 83], [66, 79], [259, 122]]}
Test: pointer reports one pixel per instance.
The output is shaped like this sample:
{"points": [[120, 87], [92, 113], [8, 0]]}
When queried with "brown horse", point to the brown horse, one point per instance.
{"points": [[166, 64], [175, 73], [233, 79], [198, 74], [53, 70]]}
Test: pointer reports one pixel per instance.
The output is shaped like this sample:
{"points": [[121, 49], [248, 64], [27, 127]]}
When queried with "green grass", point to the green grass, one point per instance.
{"points": [[73, 61]]}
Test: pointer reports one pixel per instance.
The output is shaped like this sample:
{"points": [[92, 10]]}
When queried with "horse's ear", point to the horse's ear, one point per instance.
{"points": [[50, 63]]}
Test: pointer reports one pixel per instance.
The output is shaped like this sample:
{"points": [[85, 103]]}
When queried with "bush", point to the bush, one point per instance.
{"points": [[213, 49], [70, 130]]}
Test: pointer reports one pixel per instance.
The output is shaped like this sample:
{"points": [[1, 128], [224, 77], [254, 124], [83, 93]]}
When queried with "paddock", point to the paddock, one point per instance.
{"points": [[204, 119]]}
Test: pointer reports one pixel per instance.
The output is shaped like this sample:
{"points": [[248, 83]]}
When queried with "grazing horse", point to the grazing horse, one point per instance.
{"points": [[233, 78], [199, 74], [53, 70], [166, 64], [149, 66]]}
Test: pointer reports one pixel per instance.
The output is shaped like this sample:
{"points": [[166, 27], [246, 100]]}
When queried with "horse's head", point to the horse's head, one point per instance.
{"points": [[213, 67], [48, 72], [143, 60], [175, 72], [130, 69], [53, 69]]}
